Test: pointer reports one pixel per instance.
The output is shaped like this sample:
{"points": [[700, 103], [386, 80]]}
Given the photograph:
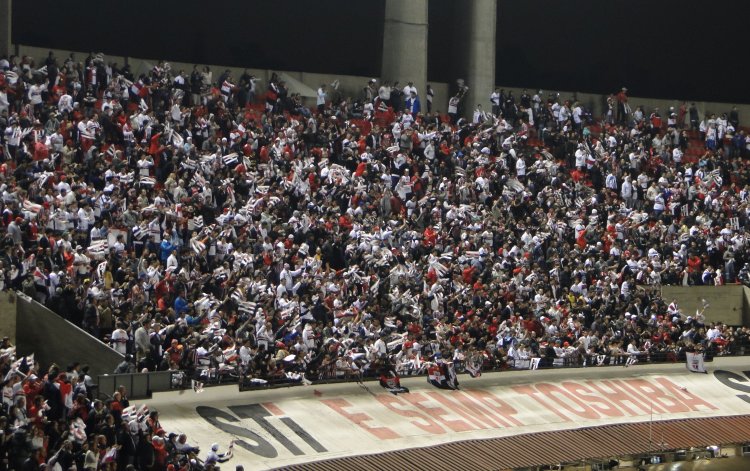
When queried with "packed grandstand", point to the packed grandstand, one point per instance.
{"points": [[222, 227]]}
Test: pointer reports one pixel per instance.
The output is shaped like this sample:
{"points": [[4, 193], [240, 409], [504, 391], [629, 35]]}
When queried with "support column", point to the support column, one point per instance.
{"points": [[405, 43], [480, 58], [5, 20]]}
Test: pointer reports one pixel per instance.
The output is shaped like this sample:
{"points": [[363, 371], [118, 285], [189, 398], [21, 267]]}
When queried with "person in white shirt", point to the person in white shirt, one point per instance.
{"points": [[120, 340], [4, 103], [144, 165], [409, 89], [430, 96], [634, 353], [521, 168], [321, 98], [384, 93], [611, 181], [713, 332], [35, 98], [580, 156], [95, 233], [577, 117], [563, 115], [495, 100], [453, 108], [172, 264], [677, 155], [176, 114], [86, 218], [627, 192], [308, 335], [380, 347], [479, 115]]}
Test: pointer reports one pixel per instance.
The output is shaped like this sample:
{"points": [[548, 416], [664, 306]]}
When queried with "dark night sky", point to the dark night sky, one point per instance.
{"points": [[659, 48]]}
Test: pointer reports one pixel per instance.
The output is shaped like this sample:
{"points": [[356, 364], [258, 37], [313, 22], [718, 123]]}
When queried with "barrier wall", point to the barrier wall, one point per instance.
{"points": [[139, 385], [8, 315], [726, 303], [52, 339]]}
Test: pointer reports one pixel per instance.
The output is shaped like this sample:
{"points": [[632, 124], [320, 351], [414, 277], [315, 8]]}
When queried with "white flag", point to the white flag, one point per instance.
{"points": [[695, 362]]}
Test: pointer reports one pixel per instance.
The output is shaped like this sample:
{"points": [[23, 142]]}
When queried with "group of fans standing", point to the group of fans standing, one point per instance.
{"points": [[218, 225]]}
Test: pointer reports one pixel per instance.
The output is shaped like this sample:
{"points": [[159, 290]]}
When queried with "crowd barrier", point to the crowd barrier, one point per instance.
{"points": [[140, 385]]}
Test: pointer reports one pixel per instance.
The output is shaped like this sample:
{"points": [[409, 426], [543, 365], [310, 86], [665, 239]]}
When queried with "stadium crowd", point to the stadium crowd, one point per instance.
{"points": [[217, 225]]}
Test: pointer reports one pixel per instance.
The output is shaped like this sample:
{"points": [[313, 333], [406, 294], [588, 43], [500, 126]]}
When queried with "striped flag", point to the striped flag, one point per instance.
{"points": [[101, 269], [31, 207], [198, 180], [43, 177], [140, 232], [147, 181], [126, 178], [734, 223], [197, 246], [98, 249], [685, 210], [24, 364], [128, 413], [230, 159], [189, 164]]}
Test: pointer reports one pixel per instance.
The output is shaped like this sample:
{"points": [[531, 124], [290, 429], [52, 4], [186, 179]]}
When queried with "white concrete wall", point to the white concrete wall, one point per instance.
{"points": [[725, 302]]}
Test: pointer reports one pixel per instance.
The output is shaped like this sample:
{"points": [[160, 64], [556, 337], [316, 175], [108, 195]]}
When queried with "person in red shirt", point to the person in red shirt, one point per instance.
{"points": [[694, 264], [656, 122], [622, 106]]}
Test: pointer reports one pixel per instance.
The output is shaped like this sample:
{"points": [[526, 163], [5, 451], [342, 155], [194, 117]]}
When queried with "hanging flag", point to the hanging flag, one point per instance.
{"points": [[442, 375], [391, 382], [695, 362], [474, 365]]}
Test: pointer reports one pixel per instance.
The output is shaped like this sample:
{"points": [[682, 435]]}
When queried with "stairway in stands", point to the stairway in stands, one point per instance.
{"points": [[695, 149]]}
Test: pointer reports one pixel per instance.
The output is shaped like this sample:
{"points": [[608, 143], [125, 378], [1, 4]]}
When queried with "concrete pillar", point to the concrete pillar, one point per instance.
{"points": [[480, 53], [405, 43], [5, 20]]}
